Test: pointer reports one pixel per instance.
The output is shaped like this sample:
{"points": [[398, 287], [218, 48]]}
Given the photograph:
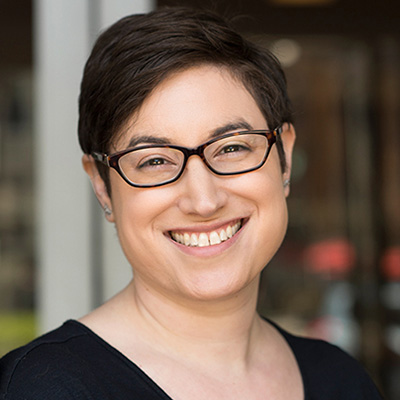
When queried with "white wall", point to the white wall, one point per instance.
{"points": [[79, 260]]}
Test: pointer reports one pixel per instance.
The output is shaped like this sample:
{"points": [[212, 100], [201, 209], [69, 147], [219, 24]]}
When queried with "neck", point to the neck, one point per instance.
{"points": [[192, 327]]}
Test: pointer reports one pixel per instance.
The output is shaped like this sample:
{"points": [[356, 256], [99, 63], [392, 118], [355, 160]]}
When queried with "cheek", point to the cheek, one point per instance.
{"points": [[273, 214], [263, 187], [134, 221], [137, 212], [264, 190]]}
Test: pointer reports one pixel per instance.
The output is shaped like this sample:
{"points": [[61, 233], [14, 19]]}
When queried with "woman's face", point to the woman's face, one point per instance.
{"points": [[186, 109]]}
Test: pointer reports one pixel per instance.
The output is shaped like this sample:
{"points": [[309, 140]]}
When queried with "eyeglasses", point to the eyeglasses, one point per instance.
{"points": [[159, 164]]}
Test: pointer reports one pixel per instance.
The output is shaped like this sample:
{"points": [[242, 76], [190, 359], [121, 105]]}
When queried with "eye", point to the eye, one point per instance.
{"points": [[154, 162], [233, 148]]}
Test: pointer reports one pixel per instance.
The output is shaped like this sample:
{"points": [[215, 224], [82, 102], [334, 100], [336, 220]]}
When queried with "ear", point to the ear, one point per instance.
{"points": [[288, 136], [99, 187]]}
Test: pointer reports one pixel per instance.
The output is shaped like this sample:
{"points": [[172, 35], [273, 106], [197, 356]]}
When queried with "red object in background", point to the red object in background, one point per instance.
{"points": [[335, 257], [390, 263]]}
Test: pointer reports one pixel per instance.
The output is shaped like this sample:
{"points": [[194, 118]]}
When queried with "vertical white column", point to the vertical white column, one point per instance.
{"points": [[112, 10], [62, 191], [65, 247]]}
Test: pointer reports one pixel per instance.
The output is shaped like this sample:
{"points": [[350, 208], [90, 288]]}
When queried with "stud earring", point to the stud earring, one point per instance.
{"points": [[107, 210], [286, 182]]}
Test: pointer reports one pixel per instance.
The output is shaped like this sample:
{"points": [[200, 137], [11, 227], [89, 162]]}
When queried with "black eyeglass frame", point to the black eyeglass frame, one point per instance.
{"points": [[112, 160]]}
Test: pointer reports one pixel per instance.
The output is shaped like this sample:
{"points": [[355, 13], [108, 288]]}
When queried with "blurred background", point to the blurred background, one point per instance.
{"points": [[337, 275]]}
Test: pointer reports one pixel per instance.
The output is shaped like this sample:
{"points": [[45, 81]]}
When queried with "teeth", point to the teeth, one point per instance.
{"points": [[214, 238], [186, 239], [223, 235], [203, 239], [193, 240]]}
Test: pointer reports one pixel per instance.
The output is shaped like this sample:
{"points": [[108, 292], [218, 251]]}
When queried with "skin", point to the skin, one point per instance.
{"points": [[188, 318]]}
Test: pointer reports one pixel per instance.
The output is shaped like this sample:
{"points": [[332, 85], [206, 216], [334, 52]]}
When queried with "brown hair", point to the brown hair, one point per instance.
{"points": [[135, 54]]}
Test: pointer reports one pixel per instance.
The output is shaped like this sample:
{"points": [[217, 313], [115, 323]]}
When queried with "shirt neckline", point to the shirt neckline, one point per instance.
{"points": [[158, 389]]}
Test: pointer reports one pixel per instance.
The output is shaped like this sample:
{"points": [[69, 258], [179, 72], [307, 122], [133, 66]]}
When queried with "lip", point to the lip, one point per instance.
{"points": [[208, 250]]}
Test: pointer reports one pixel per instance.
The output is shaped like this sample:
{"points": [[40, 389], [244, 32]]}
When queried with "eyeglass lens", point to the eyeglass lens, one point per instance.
{"points": [[229, 155]]}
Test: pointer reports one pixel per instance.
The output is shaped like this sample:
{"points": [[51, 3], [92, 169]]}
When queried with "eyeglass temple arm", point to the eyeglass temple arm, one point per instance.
{"points": [[103, 158]]}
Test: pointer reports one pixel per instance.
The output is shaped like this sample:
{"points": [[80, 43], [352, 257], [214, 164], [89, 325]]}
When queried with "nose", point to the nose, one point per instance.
{"points": [[201, 192]]}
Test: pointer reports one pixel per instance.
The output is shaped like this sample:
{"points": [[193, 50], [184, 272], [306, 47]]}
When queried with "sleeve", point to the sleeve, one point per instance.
{"points": [[328, 372], [333, 374], [50, 373]]}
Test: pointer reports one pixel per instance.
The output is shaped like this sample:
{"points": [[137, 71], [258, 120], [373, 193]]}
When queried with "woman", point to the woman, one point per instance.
{"points": [[187, 134]]}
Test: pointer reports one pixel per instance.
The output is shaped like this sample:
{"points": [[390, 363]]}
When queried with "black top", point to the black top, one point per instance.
{"points": [[72, 362]]}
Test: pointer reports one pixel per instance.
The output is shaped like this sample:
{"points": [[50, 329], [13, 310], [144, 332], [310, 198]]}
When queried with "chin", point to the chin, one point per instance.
{"points": [[219, 287]]}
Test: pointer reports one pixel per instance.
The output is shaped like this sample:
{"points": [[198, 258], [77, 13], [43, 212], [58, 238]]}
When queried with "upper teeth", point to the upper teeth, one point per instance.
{"points": [[204, 239]]}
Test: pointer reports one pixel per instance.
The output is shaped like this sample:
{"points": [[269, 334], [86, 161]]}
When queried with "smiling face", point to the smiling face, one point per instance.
{"points": [[204, 236]]}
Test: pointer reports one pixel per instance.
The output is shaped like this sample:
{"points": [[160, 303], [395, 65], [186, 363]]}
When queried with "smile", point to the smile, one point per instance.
{"points": [[204, 239]]}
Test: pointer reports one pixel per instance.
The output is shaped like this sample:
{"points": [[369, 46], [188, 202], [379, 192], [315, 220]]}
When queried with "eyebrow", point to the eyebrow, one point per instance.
{"points": [[241, 124], [148, 139]]}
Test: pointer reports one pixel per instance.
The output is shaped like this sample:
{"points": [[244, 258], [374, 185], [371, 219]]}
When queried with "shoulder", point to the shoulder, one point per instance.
{"points": [[45, 368], [329, 372]]}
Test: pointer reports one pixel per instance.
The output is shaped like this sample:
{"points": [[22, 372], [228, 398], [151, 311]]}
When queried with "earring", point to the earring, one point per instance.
{"points": [[107, 210], [286, 182]]}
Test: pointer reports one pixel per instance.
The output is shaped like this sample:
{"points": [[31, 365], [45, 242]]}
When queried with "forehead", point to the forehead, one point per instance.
{"points": [[189, 105]]}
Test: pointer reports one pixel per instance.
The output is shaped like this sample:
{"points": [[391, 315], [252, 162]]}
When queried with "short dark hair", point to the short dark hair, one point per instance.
{"points": [[138, 52]]}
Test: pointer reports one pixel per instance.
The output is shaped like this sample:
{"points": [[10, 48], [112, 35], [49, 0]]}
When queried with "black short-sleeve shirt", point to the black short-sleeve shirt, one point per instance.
{"points": [[72, 362]]}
